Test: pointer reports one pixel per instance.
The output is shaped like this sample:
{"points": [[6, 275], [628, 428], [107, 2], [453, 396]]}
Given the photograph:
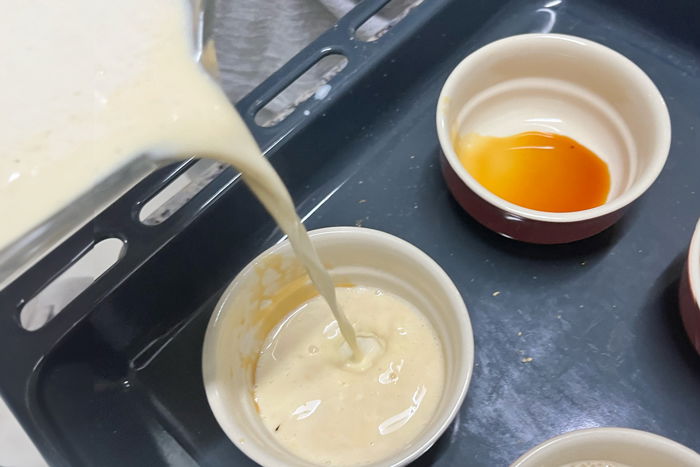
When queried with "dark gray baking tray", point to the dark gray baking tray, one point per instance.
{"points": [[115, 378]]}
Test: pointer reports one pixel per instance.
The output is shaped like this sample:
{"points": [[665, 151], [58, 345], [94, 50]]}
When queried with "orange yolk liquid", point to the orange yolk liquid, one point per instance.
{"points": [[536, 170]]}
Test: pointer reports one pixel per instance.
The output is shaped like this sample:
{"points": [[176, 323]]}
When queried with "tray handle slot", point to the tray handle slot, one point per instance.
{"points": [[339, 40], [388, 16], [311, 84], [65, 287], [279, 81]]}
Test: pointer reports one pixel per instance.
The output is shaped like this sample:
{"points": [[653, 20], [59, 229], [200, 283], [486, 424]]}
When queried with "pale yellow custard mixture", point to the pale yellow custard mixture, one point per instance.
{"points": [[329, 410]]}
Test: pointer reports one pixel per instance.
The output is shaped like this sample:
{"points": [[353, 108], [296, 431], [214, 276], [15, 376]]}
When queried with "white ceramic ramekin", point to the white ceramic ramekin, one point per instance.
{"points": [[354, 255], [689, 294], [621, 445], [558, 84]]}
